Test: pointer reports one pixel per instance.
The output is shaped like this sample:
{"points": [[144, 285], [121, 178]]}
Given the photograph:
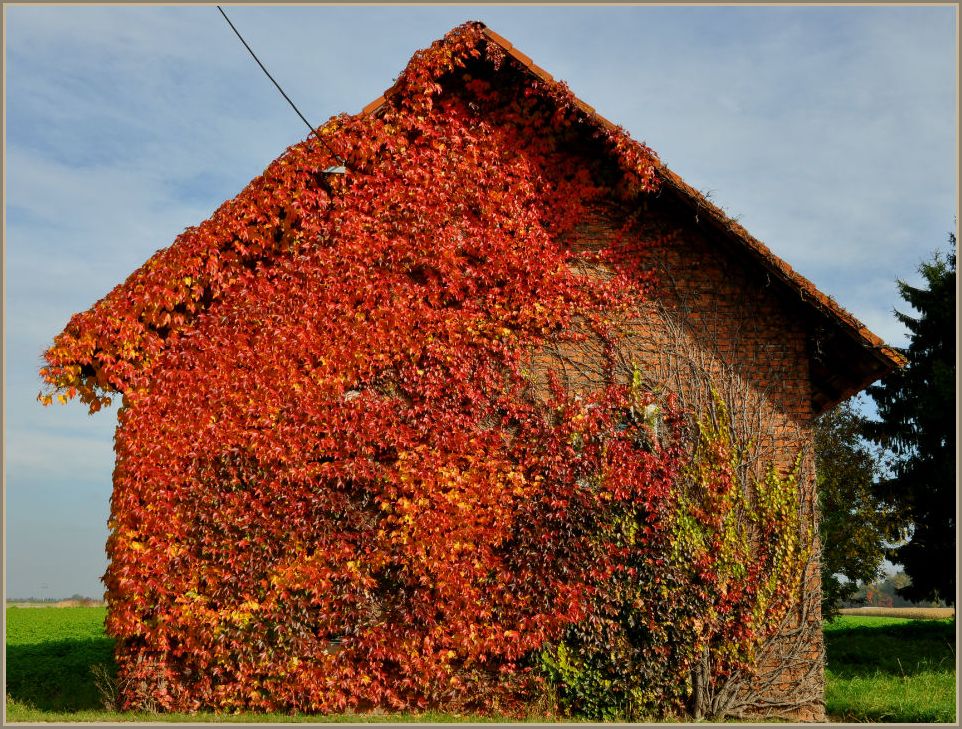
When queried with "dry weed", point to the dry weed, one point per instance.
{"points": [[911, 613]]}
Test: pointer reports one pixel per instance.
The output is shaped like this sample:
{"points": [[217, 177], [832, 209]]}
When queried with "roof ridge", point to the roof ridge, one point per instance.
{"points": [[820, 301]]}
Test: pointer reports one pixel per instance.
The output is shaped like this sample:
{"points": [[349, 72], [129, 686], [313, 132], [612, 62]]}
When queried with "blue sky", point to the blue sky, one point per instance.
{"points": [[829, 132]]}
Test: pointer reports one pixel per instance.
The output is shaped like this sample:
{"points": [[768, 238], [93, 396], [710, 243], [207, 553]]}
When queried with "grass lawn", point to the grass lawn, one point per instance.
{"points": [[890, 670], [49, 655], [879, 669]]}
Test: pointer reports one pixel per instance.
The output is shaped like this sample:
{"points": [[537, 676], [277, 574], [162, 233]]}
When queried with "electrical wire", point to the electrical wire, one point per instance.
{"points": [[288, 98]]}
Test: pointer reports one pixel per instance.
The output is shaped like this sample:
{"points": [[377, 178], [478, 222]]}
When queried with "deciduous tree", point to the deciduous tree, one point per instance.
{"points": [[855, 523]]}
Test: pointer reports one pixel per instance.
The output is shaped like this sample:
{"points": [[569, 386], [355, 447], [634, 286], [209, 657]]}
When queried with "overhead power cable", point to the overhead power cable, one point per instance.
{"points": [[288, 98]]}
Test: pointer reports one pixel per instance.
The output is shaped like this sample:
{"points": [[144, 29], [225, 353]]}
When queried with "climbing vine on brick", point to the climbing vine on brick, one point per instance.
{"points": [[678, 627], [338, 485]]}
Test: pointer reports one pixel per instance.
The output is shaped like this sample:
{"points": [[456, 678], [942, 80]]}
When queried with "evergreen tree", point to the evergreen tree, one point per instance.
{"points": [[917, 407]]}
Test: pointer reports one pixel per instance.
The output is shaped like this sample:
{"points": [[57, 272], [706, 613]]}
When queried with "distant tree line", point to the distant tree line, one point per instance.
{"points": [[885, 593], [76, 597]]}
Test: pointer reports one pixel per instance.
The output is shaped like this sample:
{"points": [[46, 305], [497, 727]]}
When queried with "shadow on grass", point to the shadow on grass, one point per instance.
{"points": [[56, 675], [899, 650]]}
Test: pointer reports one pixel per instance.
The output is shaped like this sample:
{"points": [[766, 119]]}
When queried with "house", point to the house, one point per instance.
{"points": [[365, 413]]}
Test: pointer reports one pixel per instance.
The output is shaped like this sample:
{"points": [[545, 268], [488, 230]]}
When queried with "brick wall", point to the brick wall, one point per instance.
{"points": [[714, 320]]}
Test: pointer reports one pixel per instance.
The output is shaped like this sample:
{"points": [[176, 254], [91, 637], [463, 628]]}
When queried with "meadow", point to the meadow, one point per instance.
{"points": [[890, 669], [879, 669]]}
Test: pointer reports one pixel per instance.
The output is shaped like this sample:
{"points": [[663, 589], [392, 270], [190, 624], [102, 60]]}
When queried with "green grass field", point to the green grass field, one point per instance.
{"points": [[890, 670], [49, 655], [878, 670]]}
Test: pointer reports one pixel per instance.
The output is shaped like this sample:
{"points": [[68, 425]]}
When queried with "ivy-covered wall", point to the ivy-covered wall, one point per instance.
{"points": [[718, 333], [406, 437]]}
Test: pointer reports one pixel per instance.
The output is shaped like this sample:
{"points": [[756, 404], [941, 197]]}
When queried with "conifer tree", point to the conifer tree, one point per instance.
{"points": [[917, 416]]}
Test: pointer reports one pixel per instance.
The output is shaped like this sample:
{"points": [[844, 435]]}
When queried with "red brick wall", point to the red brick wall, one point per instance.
{"points": [[712, 317]]}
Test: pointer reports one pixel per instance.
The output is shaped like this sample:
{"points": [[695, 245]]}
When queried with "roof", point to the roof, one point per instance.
{"points": [[868, 357], [103, 348]]}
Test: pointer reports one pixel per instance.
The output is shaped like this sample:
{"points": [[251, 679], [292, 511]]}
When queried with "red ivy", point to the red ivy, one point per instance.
{"points": [[335, 485]]}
